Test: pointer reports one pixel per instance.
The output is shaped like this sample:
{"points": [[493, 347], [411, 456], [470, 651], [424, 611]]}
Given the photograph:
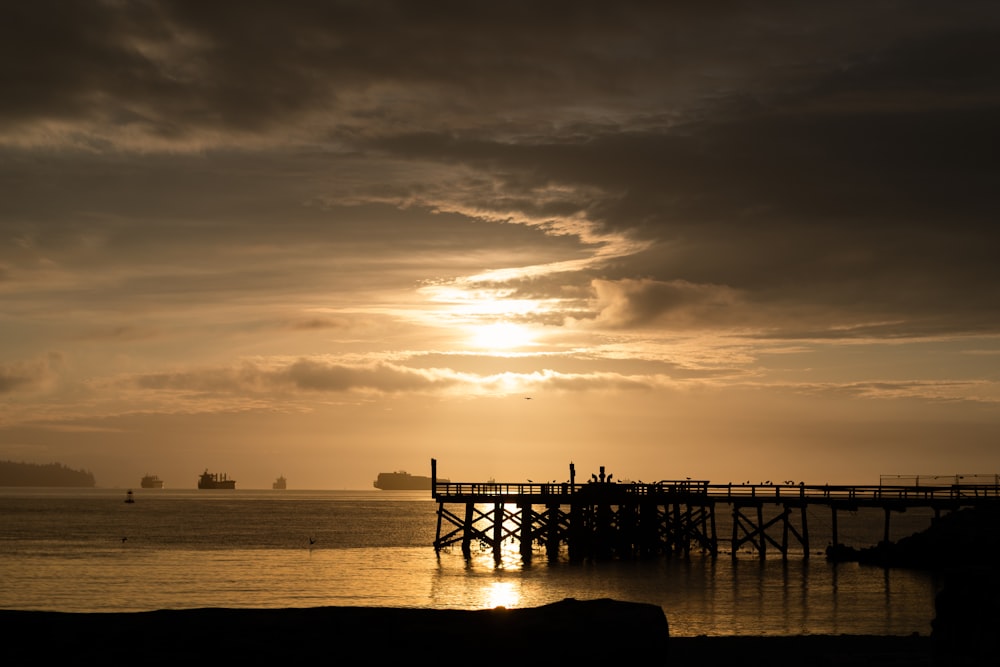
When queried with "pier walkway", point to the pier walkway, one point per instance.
{"points": [[603, 518]]}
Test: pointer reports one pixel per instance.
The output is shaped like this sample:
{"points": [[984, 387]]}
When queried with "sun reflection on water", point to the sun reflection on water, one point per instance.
{"points": [[502, 594]]}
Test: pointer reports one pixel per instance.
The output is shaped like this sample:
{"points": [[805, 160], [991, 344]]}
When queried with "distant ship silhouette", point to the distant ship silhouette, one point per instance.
{"points": [[403, 481]]}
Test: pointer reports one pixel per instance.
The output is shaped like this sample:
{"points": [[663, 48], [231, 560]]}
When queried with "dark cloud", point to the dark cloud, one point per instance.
{"points": [[26, 376], [172, 69], [308, 375], [11, 380], [867, 187], [120, 333], [674, 305], [319, 323]]}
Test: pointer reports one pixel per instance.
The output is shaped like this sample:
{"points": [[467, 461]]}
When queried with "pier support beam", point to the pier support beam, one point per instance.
{"points": [[755, 533], [553, 531], [527, 530]]}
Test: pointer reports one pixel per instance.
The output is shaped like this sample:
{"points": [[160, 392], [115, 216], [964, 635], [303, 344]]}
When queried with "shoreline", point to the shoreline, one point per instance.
{"points": [[588, 631]]}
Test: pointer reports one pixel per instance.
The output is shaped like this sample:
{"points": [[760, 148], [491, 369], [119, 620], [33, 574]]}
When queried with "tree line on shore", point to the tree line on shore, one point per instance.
{"points": [[43, 474]]}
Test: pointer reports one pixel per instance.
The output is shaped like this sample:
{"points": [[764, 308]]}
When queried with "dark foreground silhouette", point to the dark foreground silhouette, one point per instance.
{"points": [[967, 537], [584, 631], [961, 548], [569, 632]]}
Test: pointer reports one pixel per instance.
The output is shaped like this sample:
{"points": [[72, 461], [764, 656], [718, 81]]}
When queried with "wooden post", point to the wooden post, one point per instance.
{"points": [[833, 526], [467, 531], [760, 526], [786, 518], [885, 532], [715, 537], [704, 526], [805, 532], [736, 522], [437, 540], [497, 530]]}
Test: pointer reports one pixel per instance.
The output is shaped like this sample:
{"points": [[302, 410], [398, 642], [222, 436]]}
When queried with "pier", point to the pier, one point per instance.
{"points": [[606, 518]]}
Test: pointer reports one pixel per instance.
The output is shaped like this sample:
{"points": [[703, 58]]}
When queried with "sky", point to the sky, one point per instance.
{"points": [[750, 241]]}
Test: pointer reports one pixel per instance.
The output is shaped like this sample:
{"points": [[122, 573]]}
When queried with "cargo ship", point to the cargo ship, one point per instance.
{"points": [[403, 481], [280, 483], [215, 480], [151, 482]]}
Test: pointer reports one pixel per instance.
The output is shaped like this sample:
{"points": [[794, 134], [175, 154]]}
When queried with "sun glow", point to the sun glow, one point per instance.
{"points": [[502, 594], [501, 336], [487, 317]]}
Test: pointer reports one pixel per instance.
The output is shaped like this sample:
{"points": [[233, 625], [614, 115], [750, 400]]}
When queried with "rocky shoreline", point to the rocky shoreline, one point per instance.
{"points": [[961, 538], [961, 547]]}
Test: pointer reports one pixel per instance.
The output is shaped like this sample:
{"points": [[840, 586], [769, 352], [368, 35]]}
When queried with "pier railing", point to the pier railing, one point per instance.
{"points": [[879, 494], [545, 489]]}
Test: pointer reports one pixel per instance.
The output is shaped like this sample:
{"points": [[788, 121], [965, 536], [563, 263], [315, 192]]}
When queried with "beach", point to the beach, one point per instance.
{"points": [[584, 631]]}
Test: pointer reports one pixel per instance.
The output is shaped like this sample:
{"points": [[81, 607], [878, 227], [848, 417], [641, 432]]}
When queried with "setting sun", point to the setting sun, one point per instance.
{"points": [[501, 336]]}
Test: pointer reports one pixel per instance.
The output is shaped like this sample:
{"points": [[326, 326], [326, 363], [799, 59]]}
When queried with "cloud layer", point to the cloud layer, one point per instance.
{"points": [[243, 206]]}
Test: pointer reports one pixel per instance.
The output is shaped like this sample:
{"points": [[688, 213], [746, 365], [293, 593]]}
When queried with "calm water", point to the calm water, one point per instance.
{"points": [[63, 550]]}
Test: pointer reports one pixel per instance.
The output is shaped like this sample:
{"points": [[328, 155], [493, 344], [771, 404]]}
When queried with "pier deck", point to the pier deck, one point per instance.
{"points": [[604, 518]]}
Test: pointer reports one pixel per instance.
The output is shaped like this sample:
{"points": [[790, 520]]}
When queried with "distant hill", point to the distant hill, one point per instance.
{"points": [[43, 474]]}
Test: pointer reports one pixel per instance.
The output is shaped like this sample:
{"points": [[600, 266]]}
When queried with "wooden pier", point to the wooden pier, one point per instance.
{"points": [[602, 518]]}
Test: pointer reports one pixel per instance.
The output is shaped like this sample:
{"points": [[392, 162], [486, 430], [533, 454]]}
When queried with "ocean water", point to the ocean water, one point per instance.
{"points": [[85, 550]]}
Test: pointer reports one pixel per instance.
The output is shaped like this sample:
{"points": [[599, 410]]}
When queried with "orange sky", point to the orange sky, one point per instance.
{"points": [[327, 239]]}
